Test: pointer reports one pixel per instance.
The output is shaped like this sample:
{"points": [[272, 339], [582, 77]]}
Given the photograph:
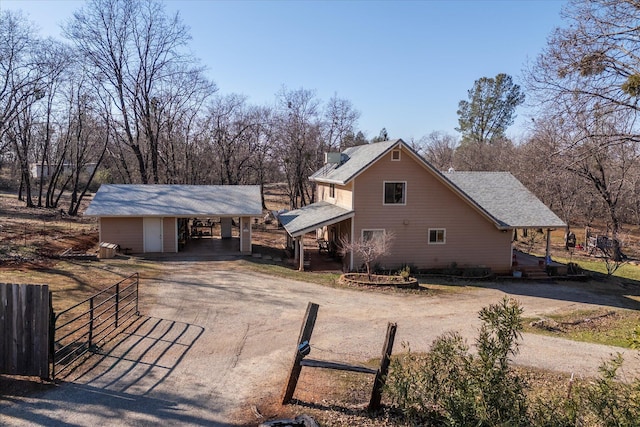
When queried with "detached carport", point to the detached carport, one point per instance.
{"points": [[309, 218], [154, 218]]}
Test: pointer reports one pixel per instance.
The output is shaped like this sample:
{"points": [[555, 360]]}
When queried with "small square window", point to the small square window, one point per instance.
{"points": [[437, 236], [395, 155], [395, 193]]}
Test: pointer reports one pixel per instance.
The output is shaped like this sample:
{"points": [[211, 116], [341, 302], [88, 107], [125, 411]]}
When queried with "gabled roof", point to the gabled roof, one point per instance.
{"points": [[505, 199], [355, 160], [121, 200], [311, 217], [499, 196]]}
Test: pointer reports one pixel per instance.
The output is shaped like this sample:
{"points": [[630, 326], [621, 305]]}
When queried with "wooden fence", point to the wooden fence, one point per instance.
{"points": [[25, 312]]}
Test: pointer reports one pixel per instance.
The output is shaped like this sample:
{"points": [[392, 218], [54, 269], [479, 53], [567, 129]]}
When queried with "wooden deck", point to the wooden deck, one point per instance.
{"points": [[534, 267]]}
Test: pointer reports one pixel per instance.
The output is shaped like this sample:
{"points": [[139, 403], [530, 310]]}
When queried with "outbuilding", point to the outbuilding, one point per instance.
{"points": [[162, 218]]}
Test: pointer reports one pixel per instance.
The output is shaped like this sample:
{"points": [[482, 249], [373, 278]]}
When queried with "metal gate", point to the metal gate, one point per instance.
{"points": [[85, 326]]}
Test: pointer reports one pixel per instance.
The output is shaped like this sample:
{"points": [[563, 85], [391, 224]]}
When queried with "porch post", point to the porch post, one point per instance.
{"points": [[548, 251], [245, 235], [301, 244], [296, 249], [351, 239]]}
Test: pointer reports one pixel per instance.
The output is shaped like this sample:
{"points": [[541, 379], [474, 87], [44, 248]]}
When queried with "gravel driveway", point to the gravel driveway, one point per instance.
{"points": [[215, 340]]}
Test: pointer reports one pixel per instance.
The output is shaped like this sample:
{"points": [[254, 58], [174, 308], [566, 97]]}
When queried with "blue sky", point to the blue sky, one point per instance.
{"points": [[404, 65]]}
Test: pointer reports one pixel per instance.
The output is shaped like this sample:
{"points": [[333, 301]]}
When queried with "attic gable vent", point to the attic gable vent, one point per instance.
{"points": [[395, 155]]}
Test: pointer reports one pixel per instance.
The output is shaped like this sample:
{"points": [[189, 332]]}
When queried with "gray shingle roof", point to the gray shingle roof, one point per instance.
{"points": [[313, 216], [498, 194], [355, 160], [505, 199], [176, 200]]}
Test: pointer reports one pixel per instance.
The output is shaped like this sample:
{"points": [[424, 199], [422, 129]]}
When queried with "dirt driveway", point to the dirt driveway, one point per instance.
{"points": [[215, 341]]}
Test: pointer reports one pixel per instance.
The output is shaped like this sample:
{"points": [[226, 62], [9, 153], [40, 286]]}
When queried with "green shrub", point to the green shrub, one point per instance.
{"points": [[450, 386], [614, 403], [634, 340], [554, 411], [405, 272]]}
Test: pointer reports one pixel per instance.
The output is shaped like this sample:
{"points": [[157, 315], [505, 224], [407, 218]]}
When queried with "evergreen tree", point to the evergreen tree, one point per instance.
{"points": [[490, 109]]}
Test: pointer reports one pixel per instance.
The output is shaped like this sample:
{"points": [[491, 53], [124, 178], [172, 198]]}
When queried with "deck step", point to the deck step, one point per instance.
{"points": [[536, 275]]}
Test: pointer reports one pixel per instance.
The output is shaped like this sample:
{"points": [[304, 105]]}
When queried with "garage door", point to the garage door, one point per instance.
{"points": [[152, 234]]}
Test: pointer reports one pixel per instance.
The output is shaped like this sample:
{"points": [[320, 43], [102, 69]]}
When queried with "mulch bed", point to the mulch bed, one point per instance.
{"points": [[361, 279]]}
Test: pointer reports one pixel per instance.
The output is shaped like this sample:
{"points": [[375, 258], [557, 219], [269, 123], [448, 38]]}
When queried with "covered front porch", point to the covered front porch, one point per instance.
{"points": [[328, 222]]}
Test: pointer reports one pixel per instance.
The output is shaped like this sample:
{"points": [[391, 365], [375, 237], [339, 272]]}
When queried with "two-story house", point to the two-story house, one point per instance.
{"points": [[437, 218]]}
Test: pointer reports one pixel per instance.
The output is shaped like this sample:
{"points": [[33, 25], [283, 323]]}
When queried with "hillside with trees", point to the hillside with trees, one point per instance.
{"points": [[121, 99]]}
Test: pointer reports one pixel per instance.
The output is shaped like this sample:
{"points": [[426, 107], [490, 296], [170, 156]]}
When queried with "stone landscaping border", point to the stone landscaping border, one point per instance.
{"points": [[361, 279]]}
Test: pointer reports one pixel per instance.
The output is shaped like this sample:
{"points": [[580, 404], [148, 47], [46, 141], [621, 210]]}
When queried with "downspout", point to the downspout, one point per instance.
{"points": [[353, 222], [301, 244], [547, 257], [250, 241]]}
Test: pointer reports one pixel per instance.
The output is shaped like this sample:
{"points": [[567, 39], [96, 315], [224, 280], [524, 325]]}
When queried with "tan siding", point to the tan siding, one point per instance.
{"points": [[471, 239], [126, 232], [342, 195], [169, 234]]}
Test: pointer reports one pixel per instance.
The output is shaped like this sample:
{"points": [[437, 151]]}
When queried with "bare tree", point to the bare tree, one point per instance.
{"points": [[20, 135], [368, 248], [52, 157], [606, 167], [592, 63], [263, 164], [179, 117], [438, 148], [137, 53], [476, 156], [340, 119], [592, 147], [21, 72], [230, 121], [540, 165], [298, 132], [89, 136]]}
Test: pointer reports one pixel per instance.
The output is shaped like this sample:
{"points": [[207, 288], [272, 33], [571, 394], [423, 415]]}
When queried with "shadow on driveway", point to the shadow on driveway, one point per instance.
{"points": [[128, 381]]}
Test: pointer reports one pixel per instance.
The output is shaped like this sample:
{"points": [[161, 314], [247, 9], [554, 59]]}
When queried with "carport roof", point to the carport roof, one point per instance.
{"points": [[308, 218], [123, 200]]}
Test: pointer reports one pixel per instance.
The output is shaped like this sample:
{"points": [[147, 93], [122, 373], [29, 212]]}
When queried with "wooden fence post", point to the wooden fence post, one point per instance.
{"points": [[381, 376], [305, 335], [52, 338]]}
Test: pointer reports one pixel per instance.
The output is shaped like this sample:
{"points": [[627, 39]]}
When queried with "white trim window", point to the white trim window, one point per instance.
{"points": [[395, 193], [437, 236], [395, 155], [332, 191], [372, 234]]}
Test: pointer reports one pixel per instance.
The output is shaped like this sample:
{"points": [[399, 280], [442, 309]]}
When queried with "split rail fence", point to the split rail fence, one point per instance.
{"points": [[303, 349]]}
